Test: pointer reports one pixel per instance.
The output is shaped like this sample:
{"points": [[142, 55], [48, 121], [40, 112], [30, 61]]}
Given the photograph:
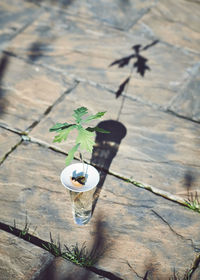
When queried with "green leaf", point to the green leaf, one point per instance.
{"points": [[93, 117], [98, 129], [62, 134], [71, 154], [86, 139], [78, 113], [59, 126]]}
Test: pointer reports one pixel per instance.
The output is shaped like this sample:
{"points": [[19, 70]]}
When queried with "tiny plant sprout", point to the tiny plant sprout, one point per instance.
{"points": [[85, 138]]}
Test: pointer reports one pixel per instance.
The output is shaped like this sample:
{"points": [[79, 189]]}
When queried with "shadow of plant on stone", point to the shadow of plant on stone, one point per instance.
{"points": [[140, 63], [4, 62], [105, 150]]}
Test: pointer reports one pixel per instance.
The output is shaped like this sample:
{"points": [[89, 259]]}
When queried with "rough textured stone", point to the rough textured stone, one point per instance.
{"points": [[8, 141], [153, 150], [196, 274], [120, 14], [178, 26], [49, 43], [187, 102], [28, 92], [19, 259], [77, 48], [136, 225], [14, 17], [62, 269]]}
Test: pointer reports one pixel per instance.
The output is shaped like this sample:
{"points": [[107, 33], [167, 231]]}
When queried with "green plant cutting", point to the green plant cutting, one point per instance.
{"points": [[85, 138]]}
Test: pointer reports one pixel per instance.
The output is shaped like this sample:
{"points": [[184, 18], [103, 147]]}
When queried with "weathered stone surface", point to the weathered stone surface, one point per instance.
{"points": [[187, 102], [83, 49], [14, 17], [62, 269], [79, 40], [196, 274], [8, 140], [28, 91], [138, 226], [119, 14], [20, 259], [178, 26], [158, 148]]}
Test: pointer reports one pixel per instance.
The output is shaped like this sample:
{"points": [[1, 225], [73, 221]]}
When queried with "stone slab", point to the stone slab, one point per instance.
{"points": [[19, 259], [135, 225], [196, 274], [28, 91], [187, 102], [83, 49], [158, 149], [8, 140], [118, 14], [61, 269], [178, 26], [14, 17]]}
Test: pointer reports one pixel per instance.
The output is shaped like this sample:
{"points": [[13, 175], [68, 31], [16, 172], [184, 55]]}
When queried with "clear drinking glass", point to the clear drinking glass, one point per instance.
{"points": [[81, 197], [82, 206]]}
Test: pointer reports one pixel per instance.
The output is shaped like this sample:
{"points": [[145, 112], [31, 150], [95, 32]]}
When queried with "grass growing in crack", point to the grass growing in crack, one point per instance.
{"points": [[80, 256], [24, 233], [193, 202], [186, 276]]}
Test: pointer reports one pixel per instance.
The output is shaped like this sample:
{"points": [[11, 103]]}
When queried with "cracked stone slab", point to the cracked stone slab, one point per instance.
{"points": [[118, 14], [28, 91], [136, 226], [83, 49], [8, 140], [187, 102], [196, 274], [19, 259], [14, 17], [62, 269], [158, 149], [178, 26]]}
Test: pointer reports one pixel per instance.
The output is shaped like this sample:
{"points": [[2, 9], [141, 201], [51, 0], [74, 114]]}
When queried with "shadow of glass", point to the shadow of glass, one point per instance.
{"points": [[3, 68], [189, 180], [60, 269], [105, 150]]}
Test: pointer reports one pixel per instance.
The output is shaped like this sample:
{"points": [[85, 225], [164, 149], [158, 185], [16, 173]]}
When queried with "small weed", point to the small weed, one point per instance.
{"points": [[186, 276], [193, 202], [24, 233], [54, 248], [79, 256]]}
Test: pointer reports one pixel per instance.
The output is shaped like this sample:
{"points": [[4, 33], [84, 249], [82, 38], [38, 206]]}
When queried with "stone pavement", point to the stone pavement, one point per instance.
{"points": [[55, 57]]}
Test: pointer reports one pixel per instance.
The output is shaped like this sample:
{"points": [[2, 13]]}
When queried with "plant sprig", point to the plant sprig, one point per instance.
{"points": [[85, 137]]}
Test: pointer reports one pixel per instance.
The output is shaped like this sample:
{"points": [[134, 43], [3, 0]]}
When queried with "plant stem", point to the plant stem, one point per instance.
{"points": [[81, 158]]}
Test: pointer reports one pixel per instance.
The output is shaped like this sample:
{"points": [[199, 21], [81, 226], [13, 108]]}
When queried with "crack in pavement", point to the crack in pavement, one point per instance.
{"points": [[48, 110], [77, 80], [195, 247], [154, 190], [10, 151], [45, 245]]}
